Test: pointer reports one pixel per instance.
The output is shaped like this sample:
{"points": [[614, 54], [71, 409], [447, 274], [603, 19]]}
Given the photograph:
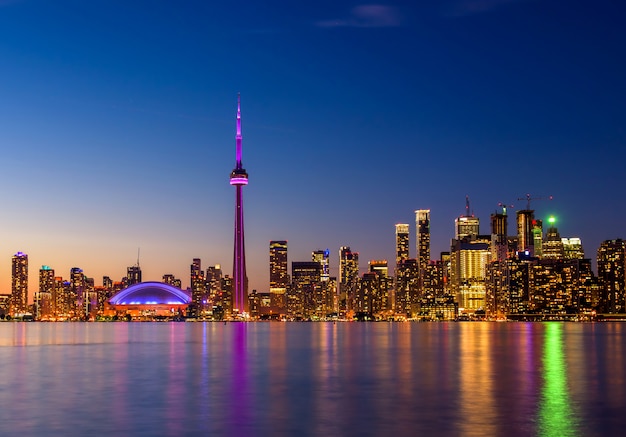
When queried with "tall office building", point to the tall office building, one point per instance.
{"points": [[402, 242], [43, 299], [77, 293], [348, 276], [525, 238], [466, 226], [612, 275], [198, 285], [382, 298], [406, 293], [19, 284], [60, 298], [279, 277], [213, 284], [306, 289], [538, 237], [552, 246], [133, 275], [499, 246], [573, 248], [322, 257], [239, 178], [422, 224], [468, 263]]}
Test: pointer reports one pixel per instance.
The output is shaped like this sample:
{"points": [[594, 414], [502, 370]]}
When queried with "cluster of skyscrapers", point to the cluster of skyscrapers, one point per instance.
{"points": [[533, 274], [529, 275]]}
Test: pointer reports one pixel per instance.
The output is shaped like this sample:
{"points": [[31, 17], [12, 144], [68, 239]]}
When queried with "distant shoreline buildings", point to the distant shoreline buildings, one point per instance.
{"points": [[531, 275]]}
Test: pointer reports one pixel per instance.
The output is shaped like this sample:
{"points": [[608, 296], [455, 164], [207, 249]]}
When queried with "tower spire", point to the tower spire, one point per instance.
{"points": [[238, 136]]}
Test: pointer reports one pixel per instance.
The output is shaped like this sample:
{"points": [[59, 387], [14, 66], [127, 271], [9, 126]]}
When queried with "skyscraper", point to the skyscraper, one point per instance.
{"points": [[499, 246], [279, 278], [422, 224], [133, 275], [77, 295], [466, 226], [19, 284], [552, 246], [239, 178], [306, 289], [322, 257], [468, 262], [198, 286], [43, 298], [402, 243], [348, 276], [525, 239], [538, 237], [612, 275]]}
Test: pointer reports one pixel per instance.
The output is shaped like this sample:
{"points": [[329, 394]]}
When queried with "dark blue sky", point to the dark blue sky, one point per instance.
{"points": [[117, 124]]}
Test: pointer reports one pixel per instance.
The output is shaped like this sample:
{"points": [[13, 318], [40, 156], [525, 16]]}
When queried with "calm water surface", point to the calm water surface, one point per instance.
{"points": [[366, 379]]}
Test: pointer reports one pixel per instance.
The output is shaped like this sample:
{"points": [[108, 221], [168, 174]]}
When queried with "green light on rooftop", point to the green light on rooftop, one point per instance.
{"points": [[551, 220]]}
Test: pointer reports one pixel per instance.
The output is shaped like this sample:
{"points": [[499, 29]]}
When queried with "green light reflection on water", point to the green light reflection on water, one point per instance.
{"points": [[556, 415]]}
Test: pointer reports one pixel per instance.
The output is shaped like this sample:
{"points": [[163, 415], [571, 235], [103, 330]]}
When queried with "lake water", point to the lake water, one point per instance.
{"points": [[365, 379]]}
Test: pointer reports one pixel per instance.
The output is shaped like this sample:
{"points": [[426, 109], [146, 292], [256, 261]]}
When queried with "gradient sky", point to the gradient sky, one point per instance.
{"points": [[117, 126]]}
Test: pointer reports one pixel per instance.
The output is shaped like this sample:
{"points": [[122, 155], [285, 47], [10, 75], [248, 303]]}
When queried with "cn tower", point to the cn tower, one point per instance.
{"points": [[239, 178]]}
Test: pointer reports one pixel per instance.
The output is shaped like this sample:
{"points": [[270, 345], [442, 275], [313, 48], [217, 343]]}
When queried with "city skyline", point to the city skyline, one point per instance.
{"points": [[117, 135]]}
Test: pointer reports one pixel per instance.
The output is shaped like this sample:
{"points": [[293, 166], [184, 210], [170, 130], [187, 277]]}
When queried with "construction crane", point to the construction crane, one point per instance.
{"points": [[528, 198], [504, 206]]}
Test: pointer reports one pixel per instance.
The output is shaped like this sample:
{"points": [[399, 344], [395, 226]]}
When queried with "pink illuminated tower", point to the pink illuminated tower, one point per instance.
{"points": [[239, 178]]}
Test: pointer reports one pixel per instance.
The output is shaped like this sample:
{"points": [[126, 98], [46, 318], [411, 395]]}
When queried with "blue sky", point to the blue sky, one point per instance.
{"points": [[117, 125]]}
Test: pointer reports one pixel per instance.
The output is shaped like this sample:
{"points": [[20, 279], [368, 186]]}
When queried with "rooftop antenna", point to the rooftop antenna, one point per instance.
{"points": [[467, 207], [138, 256]]}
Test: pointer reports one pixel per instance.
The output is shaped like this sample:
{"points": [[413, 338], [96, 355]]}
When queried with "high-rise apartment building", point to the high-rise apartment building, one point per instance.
{"points": [[77, 293], [19, 284], [213, 284], [499, 246], [61, 299], [468, 263], [422, 225], [44, 297], [348, 276], [322, 257], [538, 237], [380, 299], [612, 275], [198, 285], [402, 242], [406, 289], [279, 277], [525, 238], [306, 289]]}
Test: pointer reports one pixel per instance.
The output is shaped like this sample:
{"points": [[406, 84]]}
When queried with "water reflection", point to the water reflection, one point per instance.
{"points": [[476, 394], [373, 379], [556, 415]]}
